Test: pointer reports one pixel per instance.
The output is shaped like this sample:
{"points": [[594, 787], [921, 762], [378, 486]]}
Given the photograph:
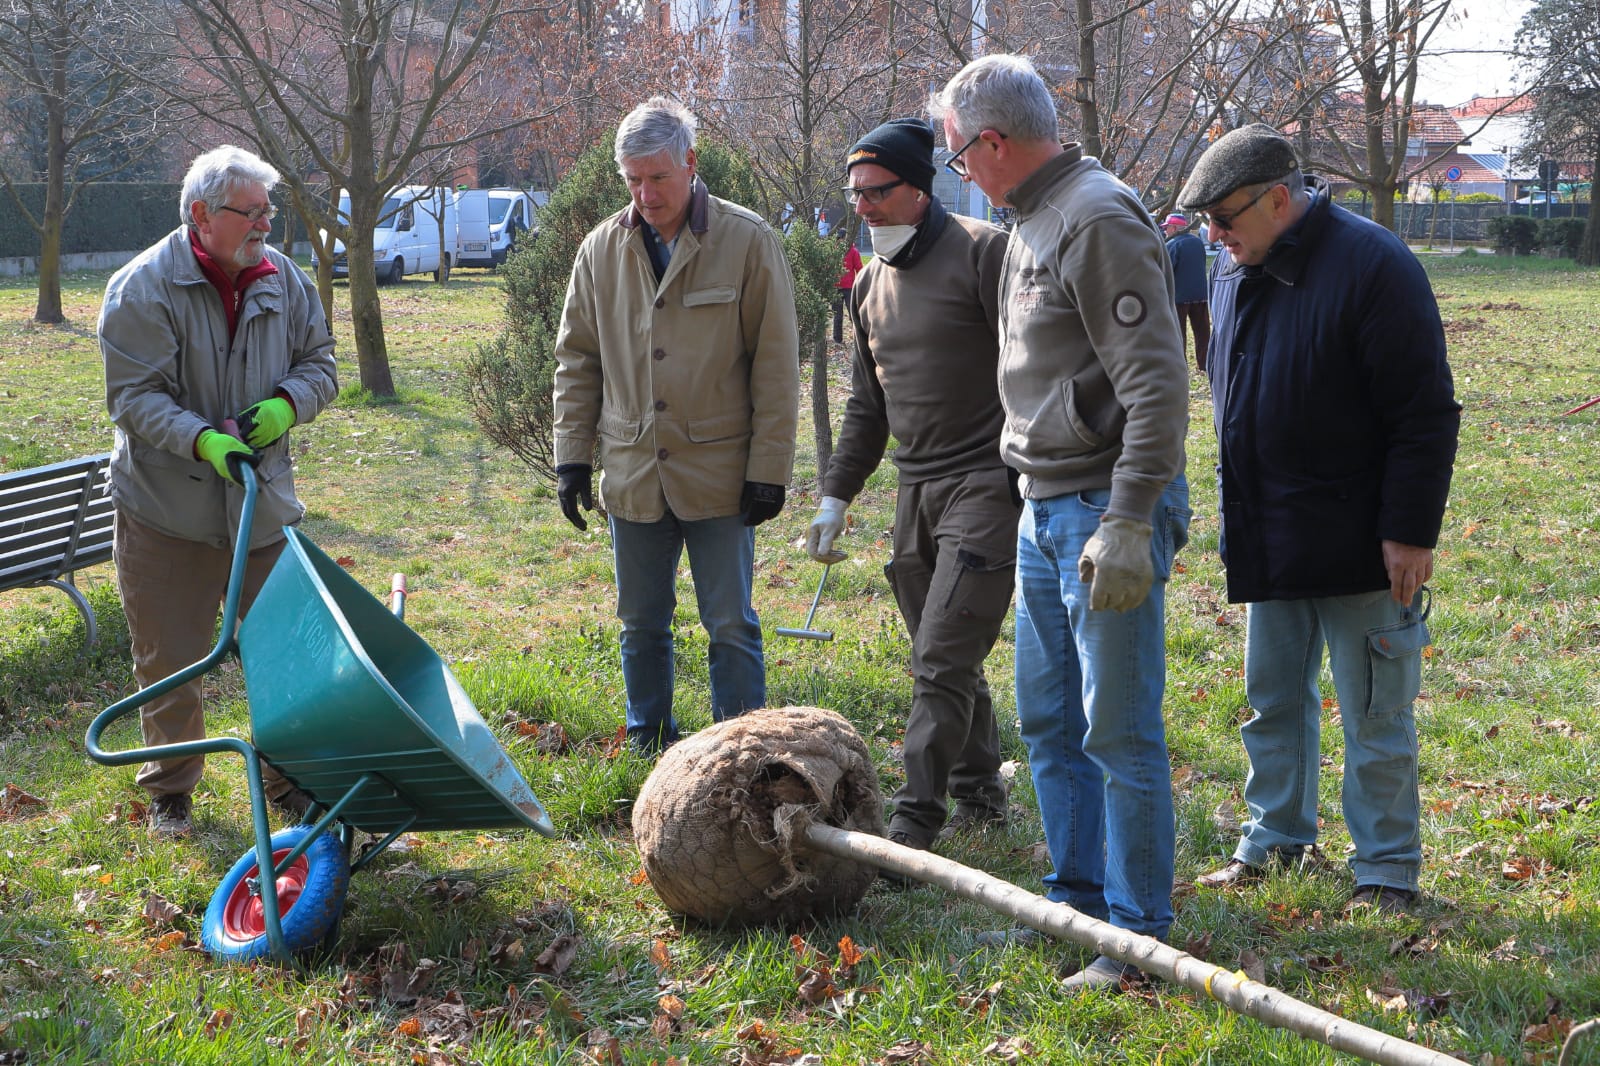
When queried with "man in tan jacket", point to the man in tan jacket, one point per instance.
{"points": [[679, 358]]}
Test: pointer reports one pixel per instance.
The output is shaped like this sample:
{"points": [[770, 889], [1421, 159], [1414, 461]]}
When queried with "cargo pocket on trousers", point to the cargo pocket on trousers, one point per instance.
{"points": [[1394, 654], [973, 590]]}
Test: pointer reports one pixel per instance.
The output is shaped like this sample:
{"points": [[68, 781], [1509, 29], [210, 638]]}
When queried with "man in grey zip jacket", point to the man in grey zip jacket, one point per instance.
{"points": [[1095, 391], [207, 325]]}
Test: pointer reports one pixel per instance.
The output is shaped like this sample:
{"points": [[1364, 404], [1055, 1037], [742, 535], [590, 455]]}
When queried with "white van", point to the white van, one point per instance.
{"points": [[407, 239], [492, 221]]}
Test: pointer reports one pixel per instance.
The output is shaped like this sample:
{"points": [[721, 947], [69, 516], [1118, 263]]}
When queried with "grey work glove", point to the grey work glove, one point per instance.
{"points": [[1116, 566], [828, 524]]}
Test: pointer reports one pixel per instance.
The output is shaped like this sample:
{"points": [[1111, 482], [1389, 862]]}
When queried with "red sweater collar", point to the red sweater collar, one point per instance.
{"points": [[232, 292]]}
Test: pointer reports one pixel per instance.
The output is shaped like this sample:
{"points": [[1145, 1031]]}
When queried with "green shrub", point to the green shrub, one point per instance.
{"points": [[1518, 233], [1561, 235], [1478, 198]]}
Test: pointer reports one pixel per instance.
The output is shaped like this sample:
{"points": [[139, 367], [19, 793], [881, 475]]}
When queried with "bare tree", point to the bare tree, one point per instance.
{"points": [[363, 94], [92, 114]]}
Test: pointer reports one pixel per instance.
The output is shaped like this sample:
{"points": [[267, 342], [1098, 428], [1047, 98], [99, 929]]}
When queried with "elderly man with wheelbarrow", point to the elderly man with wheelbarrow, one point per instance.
{"points": [[208, 327]]}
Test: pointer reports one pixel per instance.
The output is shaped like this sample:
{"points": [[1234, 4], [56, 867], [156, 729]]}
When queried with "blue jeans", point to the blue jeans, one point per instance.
{"points": [[721, 556], [1089, 686], [1282, 659]]}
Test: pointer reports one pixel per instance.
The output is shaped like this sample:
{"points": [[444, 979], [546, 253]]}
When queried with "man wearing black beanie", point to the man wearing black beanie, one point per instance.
{"points": [[925, 312]]}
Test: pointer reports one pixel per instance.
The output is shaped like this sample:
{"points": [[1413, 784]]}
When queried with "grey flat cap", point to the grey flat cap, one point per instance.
{"points": [[1245, 156]]}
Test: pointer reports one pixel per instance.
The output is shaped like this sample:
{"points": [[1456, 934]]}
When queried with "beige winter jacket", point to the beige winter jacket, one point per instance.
{"points": [[691, 387]]}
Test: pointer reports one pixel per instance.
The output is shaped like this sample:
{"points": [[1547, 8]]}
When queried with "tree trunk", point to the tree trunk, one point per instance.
{"points": [[821, 422], [1589, 250], [1234, 991], [48, 307]]}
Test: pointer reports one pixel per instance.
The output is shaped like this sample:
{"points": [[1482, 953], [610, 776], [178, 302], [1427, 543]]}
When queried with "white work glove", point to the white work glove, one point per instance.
{"points": [[1116, 566], [828, 524]]}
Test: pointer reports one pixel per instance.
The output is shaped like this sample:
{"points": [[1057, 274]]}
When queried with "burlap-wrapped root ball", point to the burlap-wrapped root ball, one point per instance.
{"points": [[715, 821]]}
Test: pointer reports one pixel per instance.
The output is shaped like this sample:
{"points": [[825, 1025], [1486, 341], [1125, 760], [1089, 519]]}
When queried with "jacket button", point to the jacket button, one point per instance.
{"points": [[661, 301], [658, 354], [661, 405], [662, 454]]}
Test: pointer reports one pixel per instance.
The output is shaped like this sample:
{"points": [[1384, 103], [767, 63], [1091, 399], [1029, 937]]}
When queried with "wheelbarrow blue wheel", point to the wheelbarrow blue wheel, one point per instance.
{"points": [[311, 896]]}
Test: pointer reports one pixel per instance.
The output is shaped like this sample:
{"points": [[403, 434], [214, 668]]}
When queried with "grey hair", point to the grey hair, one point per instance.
{"points": [[998, 92], [657, 125], [214, 176]]}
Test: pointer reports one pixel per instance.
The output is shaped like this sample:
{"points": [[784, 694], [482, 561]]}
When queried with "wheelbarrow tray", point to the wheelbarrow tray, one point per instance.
{"points": [[341, 688]]}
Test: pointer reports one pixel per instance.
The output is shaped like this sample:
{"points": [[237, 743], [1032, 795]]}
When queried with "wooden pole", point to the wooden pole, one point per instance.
{"points": [[1233, 990]]}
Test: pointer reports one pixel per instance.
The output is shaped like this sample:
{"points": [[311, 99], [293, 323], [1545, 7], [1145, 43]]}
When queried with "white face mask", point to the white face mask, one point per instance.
{"points": [[888, 240]]}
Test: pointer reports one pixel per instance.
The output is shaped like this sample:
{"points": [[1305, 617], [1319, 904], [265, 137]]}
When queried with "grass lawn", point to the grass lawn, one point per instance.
{"points": [[441, 957]]}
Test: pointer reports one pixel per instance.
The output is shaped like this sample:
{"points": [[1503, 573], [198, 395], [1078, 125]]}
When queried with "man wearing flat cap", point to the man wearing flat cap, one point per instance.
{"points": [[1096, 398], [926, 313], [1336, 424]]}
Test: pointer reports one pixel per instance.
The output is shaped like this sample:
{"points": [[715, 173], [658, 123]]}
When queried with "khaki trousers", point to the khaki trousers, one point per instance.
{"points": [[172, 593]]}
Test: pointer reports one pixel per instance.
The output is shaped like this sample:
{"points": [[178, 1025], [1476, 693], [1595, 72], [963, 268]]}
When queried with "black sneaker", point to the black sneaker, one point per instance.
{"points": [[899, 880], [1381, 898], [171, 815]]}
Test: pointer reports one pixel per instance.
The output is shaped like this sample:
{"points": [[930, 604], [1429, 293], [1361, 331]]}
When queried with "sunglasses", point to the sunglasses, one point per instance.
{"points": [[872, 194], [1226, 222]]}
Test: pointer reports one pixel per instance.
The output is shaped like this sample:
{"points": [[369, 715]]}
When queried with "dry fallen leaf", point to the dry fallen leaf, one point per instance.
{"points": [[160, 911], [14, 801]]}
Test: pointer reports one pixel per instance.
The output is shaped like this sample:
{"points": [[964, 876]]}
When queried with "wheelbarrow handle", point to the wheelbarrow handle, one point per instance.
{"points": [[226, 642]]}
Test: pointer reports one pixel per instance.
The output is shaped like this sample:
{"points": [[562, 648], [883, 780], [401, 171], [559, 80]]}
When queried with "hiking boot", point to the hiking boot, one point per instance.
{"points": [[292, 804], [171, 815], [1384, 899], [899, 880], [971, 818], [1103, 975]]}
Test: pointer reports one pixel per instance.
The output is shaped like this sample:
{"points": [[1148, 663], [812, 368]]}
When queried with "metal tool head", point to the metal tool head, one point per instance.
{"points": [[805, 632]]}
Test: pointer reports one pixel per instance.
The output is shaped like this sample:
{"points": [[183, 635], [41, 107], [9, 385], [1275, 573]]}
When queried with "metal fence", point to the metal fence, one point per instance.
{"points": [[1452, 223]]}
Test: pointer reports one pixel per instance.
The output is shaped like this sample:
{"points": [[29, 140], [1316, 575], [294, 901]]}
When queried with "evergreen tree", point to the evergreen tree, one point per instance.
{"points": [[1561, 41]]}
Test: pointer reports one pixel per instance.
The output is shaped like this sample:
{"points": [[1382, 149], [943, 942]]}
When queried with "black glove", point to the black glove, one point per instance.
{"points": [[575, 483], [1012, 479], [760, 501]]}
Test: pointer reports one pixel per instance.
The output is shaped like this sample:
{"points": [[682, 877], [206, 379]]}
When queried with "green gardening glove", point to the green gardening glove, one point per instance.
{"points": [[261, 424], [215, 448]]}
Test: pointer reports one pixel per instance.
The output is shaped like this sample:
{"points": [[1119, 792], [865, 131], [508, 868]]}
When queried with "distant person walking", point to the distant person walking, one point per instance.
{"points": [[852, 267], [1188, 254]]}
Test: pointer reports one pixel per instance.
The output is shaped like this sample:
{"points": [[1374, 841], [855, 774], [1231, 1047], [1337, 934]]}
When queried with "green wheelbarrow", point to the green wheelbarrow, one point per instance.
{"points": [[356, 710]]}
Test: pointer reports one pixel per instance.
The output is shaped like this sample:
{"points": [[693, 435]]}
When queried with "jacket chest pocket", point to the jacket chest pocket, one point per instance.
{"points": [[710, 295]]}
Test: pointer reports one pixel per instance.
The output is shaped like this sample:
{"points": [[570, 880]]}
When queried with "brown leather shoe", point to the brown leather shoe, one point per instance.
{"points": [[1233, 872]]}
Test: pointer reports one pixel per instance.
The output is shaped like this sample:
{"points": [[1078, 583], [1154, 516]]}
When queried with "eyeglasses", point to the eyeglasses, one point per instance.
{"points": [[873, 194], [954, 164], [1226, 222], [255, 214]]}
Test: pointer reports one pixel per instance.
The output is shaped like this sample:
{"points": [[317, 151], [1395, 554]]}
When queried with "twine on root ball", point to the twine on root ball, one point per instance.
{"points": [[719, 820]]}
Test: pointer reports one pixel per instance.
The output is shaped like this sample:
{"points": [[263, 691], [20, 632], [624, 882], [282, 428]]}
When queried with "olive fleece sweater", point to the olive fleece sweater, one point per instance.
{"points": [[924, 369]]}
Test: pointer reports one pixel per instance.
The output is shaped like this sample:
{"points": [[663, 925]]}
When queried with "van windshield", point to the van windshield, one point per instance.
{"points": [[386, 217], [498, 206]]}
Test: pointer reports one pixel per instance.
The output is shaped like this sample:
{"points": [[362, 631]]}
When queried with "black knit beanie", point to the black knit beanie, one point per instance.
{"points": [[904, 146]]}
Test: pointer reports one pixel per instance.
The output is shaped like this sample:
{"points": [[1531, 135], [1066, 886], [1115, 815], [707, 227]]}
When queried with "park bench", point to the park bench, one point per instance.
{"points": [[55, 520]]}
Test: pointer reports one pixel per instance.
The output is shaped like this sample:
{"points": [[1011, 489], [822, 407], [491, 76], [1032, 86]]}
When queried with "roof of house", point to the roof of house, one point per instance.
{"points": [[1481, 106]]}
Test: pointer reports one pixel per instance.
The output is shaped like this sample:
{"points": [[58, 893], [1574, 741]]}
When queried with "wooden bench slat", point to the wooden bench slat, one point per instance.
{"points": [[55, 520]]}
